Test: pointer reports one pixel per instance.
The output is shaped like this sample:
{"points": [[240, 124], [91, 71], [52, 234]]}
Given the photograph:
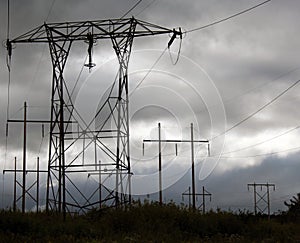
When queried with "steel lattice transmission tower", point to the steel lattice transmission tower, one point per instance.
{"points": [[111, 137]]}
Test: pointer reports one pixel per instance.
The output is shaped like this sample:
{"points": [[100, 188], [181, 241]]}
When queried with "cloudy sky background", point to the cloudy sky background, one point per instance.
{"points": [[244, 62]]}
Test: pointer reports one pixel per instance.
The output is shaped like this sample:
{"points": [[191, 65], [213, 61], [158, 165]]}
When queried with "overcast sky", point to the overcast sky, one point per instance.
{"points": [[224, 73]]}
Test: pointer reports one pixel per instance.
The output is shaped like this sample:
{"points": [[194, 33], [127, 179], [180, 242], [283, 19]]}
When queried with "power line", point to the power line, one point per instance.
{"points": [[257, 111], [269, 139], [80, 73], [133, 7], [247, 118], [238, 96], [149, 71], [8, 19], [259, 155], [78, 77], [8, 57], [262, 142], [227, 18], [43, 52], [158, 59], [50, 10], [147, 6], [261, 85]]}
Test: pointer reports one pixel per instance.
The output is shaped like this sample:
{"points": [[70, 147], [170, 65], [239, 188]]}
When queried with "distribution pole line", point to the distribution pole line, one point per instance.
{"points": [[25, 191], [24, 171], [204, 194], [263, 199], [176, 141]]}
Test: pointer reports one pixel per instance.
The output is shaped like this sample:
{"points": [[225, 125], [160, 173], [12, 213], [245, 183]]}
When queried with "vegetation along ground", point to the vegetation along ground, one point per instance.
{"points": [[149, 222]]}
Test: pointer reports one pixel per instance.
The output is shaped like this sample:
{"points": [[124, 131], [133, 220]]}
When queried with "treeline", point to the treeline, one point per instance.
{"points": [[149, 222]]}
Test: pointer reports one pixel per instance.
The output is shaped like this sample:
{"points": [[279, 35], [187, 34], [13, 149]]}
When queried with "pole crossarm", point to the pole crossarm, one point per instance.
{"points": [[174, 141], [100, 29], [261, 185], [34, 121], [196, 194], [26, 171]]}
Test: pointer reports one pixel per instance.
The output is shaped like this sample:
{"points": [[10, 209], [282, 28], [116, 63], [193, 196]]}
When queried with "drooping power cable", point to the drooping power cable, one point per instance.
{"points": [[257, 111], [147, 6], [260, 155], [133, 7], [262, 142], [227, 18], [50, 10], [149, 71]]}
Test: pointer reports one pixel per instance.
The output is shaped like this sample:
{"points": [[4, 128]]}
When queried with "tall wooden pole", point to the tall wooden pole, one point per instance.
{"points": [[189, 197], [37, 183], [193, 168], [15, 186], [255, 211], [24, 160], [159, 165], [268, 200], [203, 200]]}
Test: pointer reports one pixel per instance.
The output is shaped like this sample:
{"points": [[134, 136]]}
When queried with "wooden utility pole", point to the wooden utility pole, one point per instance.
{"points": [[193, 167], [15, 187], [37, 183], [159, 164], [204, 194], [24, 160]]}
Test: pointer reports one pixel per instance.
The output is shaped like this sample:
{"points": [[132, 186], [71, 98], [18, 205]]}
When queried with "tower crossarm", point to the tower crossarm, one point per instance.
{"points": [[101, 29]]}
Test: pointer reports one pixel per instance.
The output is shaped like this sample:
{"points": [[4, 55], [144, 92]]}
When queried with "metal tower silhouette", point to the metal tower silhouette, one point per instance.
{"points": [[261, 200], [111, 137]]}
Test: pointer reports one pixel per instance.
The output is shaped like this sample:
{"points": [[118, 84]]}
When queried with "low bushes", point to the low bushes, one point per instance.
{"points": [[148, 222]]}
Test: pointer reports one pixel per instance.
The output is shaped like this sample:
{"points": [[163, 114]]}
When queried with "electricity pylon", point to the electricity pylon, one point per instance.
{"points": [[111, 137]]}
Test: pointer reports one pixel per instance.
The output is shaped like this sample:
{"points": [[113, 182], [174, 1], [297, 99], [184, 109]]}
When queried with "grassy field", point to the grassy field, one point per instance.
{"points": [[149, 223]]}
